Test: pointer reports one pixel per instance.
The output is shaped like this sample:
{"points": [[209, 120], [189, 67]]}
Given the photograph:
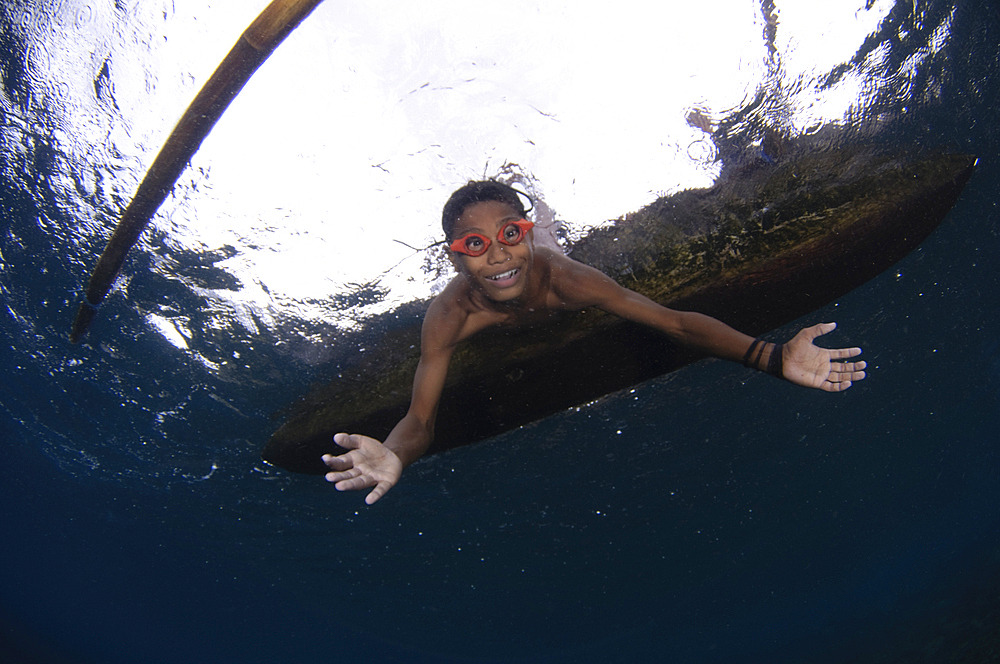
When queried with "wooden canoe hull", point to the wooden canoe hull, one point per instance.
{"points": [[759, 249]]}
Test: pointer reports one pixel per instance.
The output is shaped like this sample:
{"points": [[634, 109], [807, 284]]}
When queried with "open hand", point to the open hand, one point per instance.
{"points": [[806, 364], [369, 463]]}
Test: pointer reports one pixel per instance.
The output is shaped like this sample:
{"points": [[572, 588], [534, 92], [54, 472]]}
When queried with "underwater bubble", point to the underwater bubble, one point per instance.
{"points": [[701, 150], [27, 18], [84, 15]]}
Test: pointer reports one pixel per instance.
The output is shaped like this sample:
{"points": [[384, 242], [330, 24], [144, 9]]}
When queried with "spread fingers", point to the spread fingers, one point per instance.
{"points": [[343, 475]]}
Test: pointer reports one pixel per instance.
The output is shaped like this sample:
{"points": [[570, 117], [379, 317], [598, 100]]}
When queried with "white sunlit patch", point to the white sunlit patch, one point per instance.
{"points": [[813, 39], [169, 330], [939, 38], [358, 127]]}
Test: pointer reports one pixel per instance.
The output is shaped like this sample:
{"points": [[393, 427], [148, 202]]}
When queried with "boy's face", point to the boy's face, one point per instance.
{"points": [[501, 273]]}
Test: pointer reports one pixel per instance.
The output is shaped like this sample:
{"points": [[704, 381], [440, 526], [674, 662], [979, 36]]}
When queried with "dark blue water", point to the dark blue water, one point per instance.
{"points": [[712, 515]]}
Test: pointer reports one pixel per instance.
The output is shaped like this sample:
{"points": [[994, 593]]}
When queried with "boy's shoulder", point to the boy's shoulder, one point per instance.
{"points": [[578, 284], [453, 301]]}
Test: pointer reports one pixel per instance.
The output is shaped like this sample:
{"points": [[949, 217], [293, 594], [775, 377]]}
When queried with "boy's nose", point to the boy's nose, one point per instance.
{"points": [[497, 253]]}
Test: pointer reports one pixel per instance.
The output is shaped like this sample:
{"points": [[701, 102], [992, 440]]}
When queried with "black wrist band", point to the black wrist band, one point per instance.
{"points": [[774, 363], [746, 357]]}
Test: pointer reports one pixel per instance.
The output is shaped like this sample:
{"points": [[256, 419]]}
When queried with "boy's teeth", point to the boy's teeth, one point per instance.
{"points": [[504, 275]]}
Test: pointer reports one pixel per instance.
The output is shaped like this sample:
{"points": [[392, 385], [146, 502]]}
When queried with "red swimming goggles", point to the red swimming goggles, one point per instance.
{"points": [[474, 244]]}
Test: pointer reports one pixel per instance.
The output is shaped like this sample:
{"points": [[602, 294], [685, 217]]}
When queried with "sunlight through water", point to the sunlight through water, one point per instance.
{"points": [[327, 174]]}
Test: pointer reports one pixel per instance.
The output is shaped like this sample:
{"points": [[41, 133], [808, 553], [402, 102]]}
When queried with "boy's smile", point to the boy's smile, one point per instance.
{"points": [[501, 272]]}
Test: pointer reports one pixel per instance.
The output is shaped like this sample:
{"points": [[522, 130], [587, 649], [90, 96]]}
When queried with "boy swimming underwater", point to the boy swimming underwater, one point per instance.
{"points": [[504, 279]]}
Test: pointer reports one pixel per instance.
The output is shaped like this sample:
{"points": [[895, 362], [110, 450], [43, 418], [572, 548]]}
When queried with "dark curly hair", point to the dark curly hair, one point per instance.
{"points": [[477, 192]]}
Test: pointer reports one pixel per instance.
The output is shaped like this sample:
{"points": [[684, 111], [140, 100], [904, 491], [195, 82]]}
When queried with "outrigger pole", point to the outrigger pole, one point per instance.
{"points": [[253, 47]]}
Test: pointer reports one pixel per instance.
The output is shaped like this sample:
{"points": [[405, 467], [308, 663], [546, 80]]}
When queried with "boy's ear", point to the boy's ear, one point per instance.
{"points": [[453, 258]]}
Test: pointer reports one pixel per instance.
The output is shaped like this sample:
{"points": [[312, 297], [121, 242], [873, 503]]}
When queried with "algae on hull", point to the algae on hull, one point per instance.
{"points": [[762, 247]]}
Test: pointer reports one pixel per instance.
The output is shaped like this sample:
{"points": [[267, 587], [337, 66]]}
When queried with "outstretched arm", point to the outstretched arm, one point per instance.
{"points": [[369, 463], [801, 361]]}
